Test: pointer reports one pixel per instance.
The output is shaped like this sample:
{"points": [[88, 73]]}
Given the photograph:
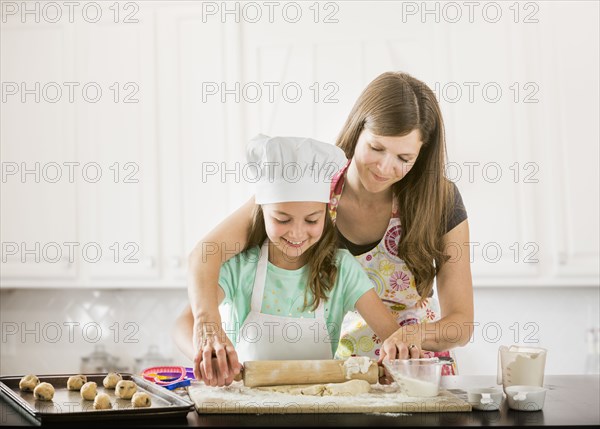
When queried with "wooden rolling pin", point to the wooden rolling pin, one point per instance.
{"points": [[281, 372]]}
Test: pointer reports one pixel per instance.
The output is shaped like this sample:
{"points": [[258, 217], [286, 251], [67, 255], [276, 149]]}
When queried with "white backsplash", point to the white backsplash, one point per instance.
{"points": [[53, 329], [48, 331]]}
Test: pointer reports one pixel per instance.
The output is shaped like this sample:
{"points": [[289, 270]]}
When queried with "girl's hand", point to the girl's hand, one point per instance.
{"points": [[216, 361]]}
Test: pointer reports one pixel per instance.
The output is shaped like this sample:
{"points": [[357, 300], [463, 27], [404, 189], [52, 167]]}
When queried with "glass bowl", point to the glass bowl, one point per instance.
{"points": [[416, 377]]}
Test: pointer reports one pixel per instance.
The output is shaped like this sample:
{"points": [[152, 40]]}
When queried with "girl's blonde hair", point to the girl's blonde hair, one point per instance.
{"points": [[395, 104], [321, 257]]}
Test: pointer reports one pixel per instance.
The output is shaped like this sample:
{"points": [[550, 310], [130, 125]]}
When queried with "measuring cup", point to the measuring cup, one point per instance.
{"points": [[523, 366]]}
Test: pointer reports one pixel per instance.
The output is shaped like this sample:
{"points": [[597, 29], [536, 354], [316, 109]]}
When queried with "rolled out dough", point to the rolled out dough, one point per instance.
{"points": [[348, 388]]}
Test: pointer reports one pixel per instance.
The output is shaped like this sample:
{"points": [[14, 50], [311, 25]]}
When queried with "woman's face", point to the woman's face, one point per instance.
{"points": [[382, 161], [293, 227]]}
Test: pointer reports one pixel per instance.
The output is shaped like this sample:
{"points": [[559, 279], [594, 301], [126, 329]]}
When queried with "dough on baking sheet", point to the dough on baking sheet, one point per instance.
{"points": [[141, 399], [348, 388], [102, 402], [28, 383], [111, 380], [76, 381], [88, 391], [125, 389], [43, 392]]}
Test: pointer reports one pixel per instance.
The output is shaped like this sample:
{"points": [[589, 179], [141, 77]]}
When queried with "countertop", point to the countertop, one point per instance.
{"points": [[572, 400]]}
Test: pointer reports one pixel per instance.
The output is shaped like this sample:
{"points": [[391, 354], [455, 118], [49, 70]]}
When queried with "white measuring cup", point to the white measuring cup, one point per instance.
{"points": [[518, 365]]}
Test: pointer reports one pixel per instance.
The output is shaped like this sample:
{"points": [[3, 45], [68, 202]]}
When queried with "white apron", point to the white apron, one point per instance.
{"points": [[269, 337]]}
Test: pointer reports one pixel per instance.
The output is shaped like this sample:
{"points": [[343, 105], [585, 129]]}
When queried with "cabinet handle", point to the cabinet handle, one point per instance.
{"points": [[149, 262]]}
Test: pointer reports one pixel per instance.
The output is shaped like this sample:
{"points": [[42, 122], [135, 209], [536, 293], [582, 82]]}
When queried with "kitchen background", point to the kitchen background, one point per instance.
{"points": [[123, 127]]}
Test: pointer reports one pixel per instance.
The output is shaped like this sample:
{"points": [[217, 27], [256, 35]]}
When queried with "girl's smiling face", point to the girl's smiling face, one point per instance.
{"points": [[292, 228], [382, 161]]}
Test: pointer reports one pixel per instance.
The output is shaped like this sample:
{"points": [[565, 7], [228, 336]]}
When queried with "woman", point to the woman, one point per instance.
{"points": [[396, 213]]}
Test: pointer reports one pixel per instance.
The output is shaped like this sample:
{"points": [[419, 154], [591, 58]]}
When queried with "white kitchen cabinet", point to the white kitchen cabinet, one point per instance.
{"points": [[491, 147], [38, 210], [120, 211], [525, 159], [538, 212], [199, 134], [103, 212], [571, 129]]}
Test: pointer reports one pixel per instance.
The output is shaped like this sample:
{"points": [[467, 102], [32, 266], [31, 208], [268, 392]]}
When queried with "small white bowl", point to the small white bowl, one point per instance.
{"points": [[485, 399], [526, 398]]}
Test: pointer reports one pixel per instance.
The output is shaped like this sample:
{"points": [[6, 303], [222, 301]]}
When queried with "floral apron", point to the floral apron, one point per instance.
{"points": [[393, 282]]}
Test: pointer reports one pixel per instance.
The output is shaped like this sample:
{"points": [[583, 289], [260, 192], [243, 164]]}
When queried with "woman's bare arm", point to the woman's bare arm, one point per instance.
{"points": [[455, 293], [208, 338], [226, 240]]}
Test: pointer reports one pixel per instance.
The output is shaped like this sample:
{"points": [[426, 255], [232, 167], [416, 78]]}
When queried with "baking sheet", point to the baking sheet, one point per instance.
{"points": [[68, 405], [238, 399]]}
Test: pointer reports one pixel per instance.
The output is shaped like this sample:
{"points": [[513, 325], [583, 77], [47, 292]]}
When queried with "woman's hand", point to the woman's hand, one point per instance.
{"points": [[216, 361], [395, 347], [405, 343]]}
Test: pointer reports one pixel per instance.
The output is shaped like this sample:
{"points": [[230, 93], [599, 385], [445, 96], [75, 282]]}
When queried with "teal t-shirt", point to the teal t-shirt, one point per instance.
{"points": [[285, 290]]}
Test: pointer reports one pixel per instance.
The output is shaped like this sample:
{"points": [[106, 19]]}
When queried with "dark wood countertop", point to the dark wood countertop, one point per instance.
{"points": [[572, 400]]}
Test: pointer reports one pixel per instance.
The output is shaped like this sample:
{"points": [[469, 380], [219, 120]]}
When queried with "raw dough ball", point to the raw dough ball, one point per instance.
{"points": [[102, 402], [76, 381], [111, 380], [141, 399], [125, 389], [28, 383], [43, 392], [88, 391]]}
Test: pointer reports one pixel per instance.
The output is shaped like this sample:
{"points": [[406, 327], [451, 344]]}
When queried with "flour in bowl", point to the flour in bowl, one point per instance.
{"points": [[414, 387]]}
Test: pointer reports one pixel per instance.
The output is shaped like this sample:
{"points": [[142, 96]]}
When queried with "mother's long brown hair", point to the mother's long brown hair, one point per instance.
{"points": [[394, 104]]}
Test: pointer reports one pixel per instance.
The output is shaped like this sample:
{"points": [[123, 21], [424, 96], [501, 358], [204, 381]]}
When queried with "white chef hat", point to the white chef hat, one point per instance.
{"points": [[293, 168]]}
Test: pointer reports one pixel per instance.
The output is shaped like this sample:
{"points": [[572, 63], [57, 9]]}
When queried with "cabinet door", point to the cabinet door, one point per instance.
{"points": [[570, 134], [39, 220], [527, 145], [117, 138], [490, 144], [199, 134]]}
